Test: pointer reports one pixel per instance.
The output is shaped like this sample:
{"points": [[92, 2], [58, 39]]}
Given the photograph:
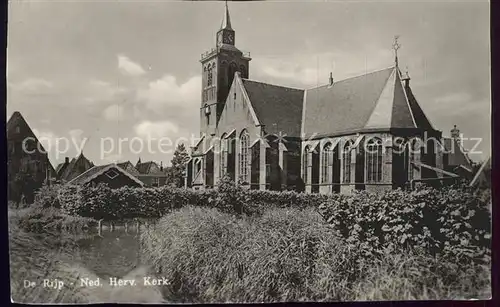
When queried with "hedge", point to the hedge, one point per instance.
{"points": [[454, 221]]}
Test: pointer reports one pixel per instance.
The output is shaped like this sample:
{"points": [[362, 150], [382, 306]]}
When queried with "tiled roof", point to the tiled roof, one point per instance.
{"points": [[376, 100], [345, 106], [129, 167], [149, 167], [279, 108], [418, 113], [17, 120], [98, 170], [75, 168]]}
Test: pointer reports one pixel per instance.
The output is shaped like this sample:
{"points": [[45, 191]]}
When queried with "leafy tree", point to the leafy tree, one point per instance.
{"points": [[175, 173]]}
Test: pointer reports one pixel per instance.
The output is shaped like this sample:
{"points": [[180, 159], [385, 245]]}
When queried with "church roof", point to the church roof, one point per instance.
{"points": [[279, 108], [376, 100], [226, 21], [373, 101]]}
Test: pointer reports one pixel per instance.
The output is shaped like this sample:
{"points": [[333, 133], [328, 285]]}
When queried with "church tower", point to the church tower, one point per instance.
{"points": [[219, 66]]}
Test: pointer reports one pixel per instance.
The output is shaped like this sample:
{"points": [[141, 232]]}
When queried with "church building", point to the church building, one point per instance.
{"points": [[363, 133]]}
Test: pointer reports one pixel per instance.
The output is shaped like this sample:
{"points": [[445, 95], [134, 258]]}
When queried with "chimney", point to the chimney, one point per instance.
{"points": [[66, 160], [330, 80], [455, 133], [161, 165], [406, 79]]}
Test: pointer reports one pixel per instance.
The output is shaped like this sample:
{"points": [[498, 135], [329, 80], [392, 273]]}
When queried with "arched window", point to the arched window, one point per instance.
{"points": [[326, 161], [374, 160], [413, 149], [223, 156], [209, 76], [305, 163], [244, 157], [232, 69], [346, 162], [243, 71]]}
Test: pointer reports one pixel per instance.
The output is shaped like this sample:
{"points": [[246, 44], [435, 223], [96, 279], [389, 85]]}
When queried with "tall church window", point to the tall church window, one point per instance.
{"points": [[374, 160], [243, 71], [325, 162], [232, 69], [223, 156], [209, 75], [305, 164], [413, 148], [346, 162], [244, 156]]}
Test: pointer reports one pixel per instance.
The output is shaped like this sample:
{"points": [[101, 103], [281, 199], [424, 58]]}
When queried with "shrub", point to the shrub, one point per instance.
{"points": [[452, 221], [37, 218]]}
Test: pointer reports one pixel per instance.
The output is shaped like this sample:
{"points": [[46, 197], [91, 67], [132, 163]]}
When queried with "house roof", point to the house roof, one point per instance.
{"points": [[129, 167], [278, 108], [483, 175], [17, 120], [148, 168], [456, 153], [96, 171], [71, 171]]}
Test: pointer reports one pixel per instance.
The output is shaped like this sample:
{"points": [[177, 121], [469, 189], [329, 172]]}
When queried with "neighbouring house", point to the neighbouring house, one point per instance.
{"points": [[110, 174], [151, 173], [129, 167], [482, 178], [68, 170], [455, 158], [28, 165], [367, 132]]}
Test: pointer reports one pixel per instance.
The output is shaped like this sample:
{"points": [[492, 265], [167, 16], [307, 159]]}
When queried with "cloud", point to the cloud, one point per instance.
{"points": [[311, 69], [101, 91], [454, 98], [112, 157], [128, 67], [114, 113], [157, 129], [32, 85], [166, 92]]}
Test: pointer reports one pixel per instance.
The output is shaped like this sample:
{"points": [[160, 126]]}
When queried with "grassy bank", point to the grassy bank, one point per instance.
{"points": [[36, 218], [292, 255]]}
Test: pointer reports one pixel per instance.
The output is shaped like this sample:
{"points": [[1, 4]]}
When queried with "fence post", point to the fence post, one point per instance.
{"points": [[99, 227]]}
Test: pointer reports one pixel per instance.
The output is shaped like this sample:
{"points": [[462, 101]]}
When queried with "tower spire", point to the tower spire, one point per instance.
{"points": [[396, 46], [226, 21]]}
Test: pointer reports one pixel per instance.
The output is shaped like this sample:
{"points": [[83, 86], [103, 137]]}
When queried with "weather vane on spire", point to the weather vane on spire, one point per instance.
{"points": [[396, 46]]}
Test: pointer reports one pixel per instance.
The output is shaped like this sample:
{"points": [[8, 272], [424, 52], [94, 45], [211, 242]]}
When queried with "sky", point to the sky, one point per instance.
{"points": [[111, 77]]}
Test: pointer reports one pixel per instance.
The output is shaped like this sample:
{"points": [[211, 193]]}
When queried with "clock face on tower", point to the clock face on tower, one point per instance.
{"points": [[229, 38]]}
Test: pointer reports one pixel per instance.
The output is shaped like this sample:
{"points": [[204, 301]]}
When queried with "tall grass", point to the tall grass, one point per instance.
{"points": [[291, 255]]}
